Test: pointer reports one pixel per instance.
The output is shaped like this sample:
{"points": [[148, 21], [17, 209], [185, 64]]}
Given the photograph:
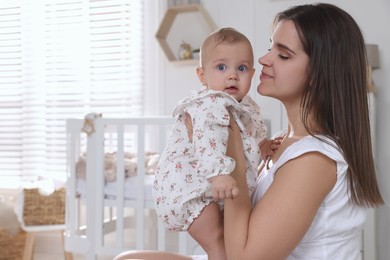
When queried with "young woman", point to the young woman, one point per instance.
{"points": [[313, 193]]}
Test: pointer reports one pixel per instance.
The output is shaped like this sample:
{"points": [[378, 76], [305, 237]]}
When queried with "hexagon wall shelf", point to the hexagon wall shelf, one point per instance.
{"points": [[169, 19]]}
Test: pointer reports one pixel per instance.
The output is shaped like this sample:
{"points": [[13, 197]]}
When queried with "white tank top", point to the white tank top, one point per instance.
{"points": [[336, 229]]}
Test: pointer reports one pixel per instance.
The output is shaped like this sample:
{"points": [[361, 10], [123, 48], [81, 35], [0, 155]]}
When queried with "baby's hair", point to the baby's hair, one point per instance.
{"points": [[226, 35]]}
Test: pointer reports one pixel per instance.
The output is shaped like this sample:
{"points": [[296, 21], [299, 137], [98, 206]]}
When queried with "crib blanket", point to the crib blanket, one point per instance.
{"points": [[110, 169]]}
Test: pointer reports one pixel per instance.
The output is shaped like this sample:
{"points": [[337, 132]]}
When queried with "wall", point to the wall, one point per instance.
{"points": [[253, 18]]}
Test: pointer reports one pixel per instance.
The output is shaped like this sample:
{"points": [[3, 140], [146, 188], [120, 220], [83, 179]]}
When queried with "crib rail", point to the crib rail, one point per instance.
{"points": [[86, 220]]}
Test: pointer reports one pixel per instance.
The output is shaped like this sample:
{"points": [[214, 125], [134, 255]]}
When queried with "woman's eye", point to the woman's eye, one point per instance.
{"points": [[241, 68], [222, 67], [282, 57]]}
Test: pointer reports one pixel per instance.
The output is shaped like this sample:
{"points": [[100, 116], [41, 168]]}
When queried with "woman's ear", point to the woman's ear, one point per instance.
{"points": [[200, 74]]}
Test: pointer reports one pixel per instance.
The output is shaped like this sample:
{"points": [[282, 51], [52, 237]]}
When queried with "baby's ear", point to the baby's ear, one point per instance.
{"points": [[200, 74], [253, 72]]}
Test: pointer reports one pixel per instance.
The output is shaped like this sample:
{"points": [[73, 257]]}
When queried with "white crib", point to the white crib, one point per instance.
{"points": [[125, 213]]}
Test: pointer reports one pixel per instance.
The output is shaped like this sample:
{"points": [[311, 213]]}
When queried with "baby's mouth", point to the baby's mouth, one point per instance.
{"points": [[231, 90]]}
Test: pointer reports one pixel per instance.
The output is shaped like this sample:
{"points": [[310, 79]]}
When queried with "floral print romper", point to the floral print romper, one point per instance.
{"points": [[181, 188]]}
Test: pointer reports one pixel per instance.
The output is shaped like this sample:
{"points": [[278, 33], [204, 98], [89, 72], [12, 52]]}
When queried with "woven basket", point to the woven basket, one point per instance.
{"points": [[43, 210], [12, 245]]}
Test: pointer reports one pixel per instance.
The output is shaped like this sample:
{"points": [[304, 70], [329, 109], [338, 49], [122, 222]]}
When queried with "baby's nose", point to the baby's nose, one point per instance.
{"points": [[233, 76]]}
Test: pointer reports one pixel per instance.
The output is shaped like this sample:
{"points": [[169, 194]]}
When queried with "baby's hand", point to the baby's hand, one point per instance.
{"points": [[224, 187], [269, 147]]}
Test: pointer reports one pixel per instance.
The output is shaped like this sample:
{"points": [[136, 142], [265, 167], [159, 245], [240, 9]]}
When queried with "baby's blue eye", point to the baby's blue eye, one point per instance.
{"points": [[222, 67], [241, 68]]}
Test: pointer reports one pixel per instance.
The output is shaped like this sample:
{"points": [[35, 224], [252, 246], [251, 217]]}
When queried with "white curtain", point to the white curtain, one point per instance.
{"points": [[62, 59]]}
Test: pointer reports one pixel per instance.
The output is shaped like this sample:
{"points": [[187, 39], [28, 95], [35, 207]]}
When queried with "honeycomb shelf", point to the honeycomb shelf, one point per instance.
{"points": [[169, 20]]}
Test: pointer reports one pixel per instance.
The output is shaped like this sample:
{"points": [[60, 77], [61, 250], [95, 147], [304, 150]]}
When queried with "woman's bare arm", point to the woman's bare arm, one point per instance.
{"points": [[282, 217]]}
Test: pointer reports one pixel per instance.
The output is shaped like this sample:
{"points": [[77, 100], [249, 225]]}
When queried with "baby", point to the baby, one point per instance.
{"points": [[192, 177]]}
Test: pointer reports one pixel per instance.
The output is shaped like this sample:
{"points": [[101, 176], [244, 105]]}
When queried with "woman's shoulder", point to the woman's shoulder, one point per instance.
{"points": [[318, 144]]}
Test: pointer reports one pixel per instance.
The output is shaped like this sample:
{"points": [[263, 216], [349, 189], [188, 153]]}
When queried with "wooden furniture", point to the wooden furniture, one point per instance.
{"points": [[168, 21], [43, 214], [30, 239], [105, 218]]}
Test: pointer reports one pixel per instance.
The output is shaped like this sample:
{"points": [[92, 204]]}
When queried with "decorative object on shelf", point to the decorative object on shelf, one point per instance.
{"points": [[373, 63], [185, 52], [182, 2], [168, 21], [195, 54]]}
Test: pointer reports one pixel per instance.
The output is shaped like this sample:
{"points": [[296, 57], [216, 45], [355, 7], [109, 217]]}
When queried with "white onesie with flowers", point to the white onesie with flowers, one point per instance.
{"points": [[182, 179]]}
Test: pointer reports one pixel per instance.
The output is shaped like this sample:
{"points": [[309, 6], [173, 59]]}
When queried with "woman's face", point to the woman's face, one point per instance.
{"points": [[284, 73]]}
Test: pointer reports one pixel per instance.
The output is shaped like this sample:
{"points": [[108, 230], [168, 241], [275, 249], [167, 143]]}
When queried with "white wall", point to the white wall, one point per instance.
{"points": [[253, 18]]}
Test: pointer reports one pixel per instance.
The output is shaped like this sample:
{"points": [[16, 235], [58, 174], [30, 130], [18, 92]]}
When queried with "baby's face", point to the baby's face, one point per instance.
{"points": [[229, 68]]}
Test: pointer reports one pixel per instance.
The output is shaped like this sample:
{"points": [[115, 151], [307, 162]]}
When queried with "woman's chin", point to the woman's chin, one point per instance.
{"points": [[261, 90]]}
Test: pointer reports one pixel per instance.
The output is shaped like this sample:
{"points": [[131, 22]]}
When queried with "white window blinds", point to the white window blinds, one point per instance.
{"points": [[62, 59]]}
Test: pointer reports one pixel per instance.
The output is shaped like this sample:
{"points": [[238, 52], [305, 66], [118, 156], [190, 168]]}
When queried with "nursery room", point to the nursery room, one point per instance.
{"points": [[89, 88]]}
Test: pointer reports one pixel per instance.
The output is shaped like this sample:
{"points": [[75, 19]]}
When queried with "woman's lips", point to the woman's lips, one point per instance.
{"points": [[264, 76]]}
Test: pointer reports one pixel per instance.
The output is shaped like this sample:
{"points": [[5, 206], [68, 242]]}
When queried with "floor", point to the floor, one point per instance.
{"points": [[48, 246], [48, 256]]}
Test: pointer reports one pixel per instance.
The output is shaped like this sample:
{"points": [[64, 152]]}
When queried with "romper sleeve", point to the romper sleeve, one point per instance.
{"points": [[210, 121]]}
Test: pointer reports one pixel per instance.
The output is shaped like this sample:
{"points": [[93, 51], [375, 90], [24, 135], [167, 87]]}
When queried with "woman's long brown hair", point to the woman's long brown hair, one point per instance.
{"points": [[336, 95]]}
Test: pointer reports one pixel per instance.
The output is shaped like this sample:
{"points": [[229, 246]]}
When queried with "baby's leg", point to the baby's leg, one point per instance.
{"points": [[207, 230]]}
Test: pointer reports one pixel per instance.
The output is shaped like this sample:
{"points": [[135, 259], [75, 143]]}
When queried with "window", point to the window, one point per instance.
{"points": [[62, 59]]}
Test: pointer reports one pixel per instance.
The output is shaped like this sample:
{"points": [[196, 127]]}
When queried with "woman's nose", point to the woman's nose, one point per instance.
{"points": [[264, 60]]}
